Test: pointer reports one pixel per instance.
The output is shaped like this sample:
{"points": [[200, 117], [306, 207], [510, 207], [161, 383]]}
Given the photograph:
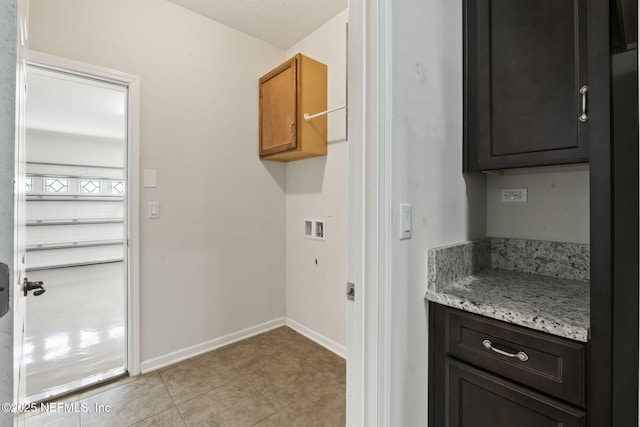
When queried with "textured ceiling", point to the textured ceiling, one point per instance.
{"points": [[279, 22]]}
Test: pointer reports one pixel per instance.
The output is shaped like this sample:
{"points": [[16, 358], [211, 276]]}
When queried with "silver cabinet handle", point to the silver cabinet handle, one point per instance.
{"points": [[584, 117], [292, 131], [520, 355]]}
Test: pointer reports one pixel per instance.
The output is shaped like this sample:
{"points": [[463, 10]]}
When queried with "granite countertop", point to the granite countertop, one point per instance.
{"points": [[467, 277], [548, 304]]}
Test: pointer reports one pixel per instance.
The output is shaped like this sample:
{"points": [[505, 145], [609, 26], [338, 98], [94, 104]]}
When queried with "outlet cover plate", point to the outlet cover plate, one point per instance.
{"points": [[513, 195]]}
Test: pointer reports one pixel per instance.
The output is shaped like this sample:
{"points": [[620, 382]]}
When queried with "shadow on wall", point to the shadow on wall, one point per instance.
{"points": [[341, 139], [277, 171], [310, 178], [476, 184]]}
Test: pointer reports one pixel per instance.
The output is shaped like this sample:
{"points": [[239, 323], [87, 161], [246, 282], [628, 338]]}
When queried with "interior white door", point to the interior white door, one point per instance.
{"points": [[19, 276]]}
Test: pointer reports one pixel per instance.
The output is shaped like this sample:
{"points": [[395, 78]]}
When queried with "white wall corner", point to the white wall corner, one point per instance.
{"points": [[320, 339]]}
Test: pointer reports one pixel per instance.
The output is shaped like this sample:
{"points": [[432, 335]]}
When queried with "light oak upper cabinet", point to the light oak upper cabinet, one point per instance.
{"points": [[289, 91]]}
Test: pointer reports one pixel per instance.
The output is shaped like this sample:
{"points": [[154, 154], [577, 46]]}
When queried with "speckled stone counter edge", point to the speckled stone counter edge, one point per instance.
{"points": [[461, 276], [549, 304]]}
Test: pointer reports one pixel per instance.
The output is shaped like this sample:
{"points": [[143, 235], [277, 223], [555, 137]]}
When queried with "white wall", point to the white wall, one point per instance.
{"points": [[425, 140], [214, 262], [315, 295], [557, 208], [7, 125]]}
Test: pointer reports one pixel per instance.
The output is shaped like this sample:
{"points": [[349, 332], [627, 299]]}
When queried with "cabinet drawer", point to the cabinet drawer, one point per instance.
{"points": [[550, 364], [477, 398]]}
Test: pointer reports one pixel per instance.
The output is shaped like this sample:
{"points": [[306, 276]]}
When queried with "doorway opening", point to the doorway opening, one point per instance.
{"points": [[77, 232]]}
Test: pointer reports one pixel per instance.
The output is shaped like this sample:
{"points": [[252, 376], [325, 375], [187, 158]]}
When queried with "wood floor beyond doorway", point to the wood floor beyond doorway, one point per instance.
{"points": [[278, 378]]}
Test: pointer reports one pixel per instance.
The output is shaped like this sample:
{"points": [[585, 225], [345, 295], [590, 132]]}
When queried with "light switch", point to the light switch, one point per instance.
{"points": [[153, 210], [150, 178], [330, 209], [405, 221]]}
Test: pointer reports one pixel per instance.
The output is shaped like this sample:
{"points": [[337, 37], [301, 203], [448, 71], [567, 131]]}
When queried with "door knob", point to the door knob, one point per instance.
{"points": [[37, 287]]}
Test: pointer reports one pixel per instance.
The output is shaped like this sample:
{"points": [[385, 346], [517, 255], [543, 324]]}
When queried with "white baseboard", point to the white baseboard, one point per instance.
{"points": [[186, 353], [320, 339]]}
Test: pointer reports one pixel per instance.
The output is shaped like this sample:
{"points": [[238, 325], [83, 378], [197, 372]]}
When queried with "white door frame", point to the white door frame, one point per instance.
{"points": [[368, 317], [132, 82]]}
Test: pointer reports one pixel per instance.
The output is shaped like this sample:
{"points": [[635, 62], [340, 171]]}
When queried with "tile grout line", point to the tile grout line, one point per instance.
{"points": [[327, 381], [167, 388], [204, 391], [261, 394], [175, 405]]}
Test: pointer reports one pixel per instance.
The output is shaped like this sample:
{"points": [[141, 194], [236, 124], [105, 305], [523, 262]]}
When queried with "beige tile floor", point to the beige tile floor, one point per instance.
{"points": [[278, 378]]}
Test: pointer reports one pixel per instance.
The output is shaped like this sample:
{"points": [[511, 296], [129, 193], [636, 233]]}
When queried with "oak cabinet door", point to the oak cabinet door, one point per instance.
{"points": [[278, 109]]}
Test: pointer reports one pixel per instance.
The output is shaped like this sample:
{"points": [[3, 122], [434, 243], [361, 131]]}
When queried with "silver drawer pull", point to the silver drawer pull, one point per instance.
{"points": [[584, 117], [520, 355]]}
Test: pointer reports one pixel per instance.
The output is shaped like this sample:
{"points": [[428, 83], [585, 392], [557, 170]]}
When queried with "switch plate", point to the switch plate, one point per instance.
{"points": [[513, 195], [150, 178], [330, 209], [153, 210], [405, 221]]}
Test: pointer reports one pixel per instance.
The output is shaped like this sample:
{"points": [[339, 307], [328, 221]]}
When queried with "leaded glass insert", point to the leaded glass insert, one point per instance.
{"points": [[89, 186], [117, 187], [54, 185]]}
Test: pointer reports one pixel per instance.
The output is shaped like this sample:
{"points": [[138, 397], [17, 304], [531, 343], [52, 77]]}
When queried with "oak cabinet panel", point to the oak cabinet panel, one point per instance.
{"points": [[294, 88]]}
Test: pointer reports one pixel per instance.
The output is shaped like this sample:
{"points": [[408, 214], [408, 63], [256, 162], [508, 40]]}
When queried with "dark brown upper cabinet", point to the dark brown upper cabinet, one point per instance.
{"points": [[526, 88]]}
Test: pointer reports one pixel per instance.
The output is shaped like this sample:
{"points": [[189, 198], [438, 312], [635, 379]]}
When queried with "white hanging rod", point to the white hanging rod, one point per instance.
{"points": [[307, 117]]}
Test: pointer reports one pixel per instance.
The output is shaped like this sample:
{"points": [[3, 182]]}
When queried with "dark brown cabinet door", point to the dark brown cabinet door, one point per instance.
{"points": [[525, 65], [478, 399]]}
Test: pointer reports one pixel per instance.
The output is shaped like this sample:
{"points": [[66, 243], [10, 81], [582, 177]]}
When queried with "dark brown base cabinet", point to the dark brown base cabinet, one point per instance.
{"points": [[476, 398], [472, 385]]}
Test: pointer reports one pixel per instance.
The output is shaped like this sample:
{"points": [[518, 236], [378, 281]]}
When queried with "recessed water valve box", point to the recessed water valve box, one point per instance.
{"points": [[314, 229]]}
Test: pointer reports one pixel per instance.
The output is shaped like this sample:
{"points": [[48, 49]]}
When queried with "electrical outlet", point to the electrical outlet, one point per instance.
{"points": [[513, 195]]}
